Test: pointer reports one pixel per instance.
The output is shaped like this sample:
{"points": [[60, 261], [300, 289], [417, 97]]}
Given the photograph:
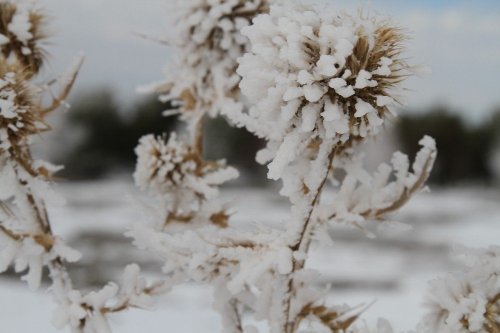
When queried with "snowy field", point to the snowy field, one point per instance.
{"points": [[392, 270]]}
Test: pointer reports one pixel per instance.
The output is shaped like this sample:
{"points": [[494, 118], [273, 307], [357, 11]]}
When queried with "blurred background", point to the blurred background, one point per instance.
{"points": [[458, 104]]}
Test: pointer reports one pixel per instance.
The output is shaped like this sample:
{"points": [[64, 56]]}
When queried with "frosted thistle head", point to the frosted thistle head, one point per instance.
{"points": [[20, 118], [215, 24], [315, 75], [208, 40], [169, 166], [21, 31]]}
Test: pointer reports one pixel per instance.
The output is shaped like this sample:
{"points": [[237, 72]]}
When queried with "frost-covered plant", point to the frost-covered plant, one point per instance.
{"points": [[27, 239], [468, 300], [25, 226], [319, 84], [206, 36]]}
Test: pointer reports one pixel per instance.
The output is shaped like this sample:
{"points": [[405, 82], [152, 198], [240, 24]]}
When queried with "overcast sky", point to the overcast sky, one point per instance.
{"points": [[459, 40]]}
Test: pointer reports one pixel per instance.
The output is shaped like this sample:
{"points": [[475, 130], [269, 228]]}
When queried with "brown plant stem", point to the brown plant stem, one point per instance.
{"points": [[198, 136], [233, 303], [63, 95], [302, 245], [57, 269], [9, 233]]}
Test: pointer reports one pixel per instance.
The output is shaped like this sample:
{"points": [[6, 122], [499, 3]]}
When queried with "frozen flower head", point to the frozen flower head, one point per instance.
{"points": [[21, 30], [208, 42], [165, 167], [175, 173], [19, 116], [467, 301], [315, 76]]}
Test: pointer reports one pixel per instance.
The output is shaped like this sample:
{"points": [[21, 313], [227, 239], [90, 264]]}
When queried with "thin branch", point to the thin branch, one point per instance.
{"points": [[402, 200], [9, 233], [198, 136], [66, 89], [151, 38], [126, 304], [233, 304], [300, 241], [406, 195], [303, 244]]}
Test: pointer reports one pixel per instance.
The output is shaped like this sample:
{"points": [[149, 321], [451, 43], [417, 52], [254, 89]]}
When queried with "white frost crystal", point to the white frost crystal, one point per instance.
{"points": [[20, 25]]}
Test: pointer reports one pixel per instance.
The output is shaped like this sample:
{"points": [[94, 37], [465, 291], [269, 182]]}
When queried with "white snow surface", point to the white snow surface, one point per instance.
{"points": [[391, 270]]}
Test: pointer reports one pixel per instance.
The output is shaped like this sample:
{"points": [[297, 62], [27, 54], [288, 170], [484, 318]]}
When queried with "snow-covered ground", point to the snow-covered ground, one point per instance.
{"points": [[391, 270]]}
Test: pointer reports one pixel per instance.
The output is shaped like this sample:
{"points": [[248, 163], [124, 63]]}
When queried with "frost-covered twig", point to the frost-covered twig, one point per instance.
{"points": [[362, 197], [67, 81]]}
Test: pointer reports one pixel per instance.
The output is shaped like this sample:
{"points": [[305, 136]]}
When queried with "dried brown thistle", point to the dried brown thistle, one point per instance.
{"points": [[206, 47], [25, 119], [367, 56], [27, 54]]}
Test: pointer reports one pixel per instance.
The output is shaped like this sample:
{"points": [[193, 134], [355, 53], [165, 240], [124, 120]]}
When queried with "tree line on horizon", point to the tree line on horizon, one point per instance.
{"points": [[109, 133]]}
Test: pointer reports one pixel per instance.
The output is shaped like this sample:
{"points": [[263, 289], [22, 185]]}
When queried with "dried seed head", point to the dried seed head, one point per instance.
{"points": [[215, 25], [165, 167], [19, 115], [21, 32], [331, 73], [164, 164], [207, 35], [315, 76]]}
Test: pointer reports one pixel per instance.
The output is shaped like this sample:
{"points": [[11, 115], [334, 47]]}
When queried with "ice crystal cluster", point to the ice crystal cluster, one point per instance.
{"points": [[174, 171], [208, 41], [468, 300], [316, 77]]}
